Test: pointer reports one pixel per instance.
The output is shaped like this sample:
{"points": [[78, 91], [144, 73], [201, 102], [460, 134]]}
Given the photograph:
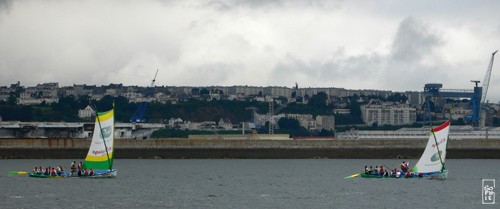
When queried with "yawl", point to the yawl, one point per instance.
{"points": [[431, 163], [100, 155]]}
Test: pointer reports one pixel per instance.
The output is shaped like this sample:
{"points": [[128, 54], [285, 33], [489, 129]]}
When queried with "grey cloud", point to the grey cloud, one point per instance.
{"points": [[413, 41], [410, 64], [413, 62], [217, 73], [336, 69], [5, 5]]}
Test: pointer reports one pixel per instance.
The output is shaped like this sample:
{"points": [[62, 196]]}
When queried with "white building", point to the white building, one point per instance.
{"points": [[86, 113], [245, 90], [388, 114]]}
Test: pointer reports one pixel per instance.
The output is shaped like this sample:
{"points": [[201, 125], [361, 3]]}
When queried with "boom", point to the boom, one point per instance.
{"points": [[487, 77]]}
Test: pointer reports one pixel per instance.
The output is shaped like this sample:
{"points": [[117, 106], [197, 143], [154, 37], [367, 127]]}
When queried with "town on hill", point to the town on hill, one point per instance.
{"points": [[298, 111]]}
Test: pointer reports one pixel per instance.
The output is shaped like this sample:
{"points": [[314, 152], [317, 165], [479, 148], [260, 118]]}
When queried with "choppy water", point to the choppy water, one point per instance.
{"points": [[238, 183]]}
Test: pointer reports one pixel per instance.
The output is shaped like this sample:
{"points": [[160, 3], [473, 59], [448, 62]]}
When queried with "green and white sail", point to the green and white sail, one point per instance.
{"points": [[100, 155], [432, 160]]}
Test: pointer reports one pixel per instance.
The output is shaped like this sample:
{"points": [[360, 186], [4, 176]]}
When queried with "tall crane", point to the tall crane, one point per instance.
{"points": [[486, 82], [479, 106], [138, 116]]}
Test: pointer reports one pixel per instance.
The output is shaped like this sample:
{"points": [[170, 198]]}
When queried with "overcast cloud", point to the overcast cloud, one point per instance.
{"points": [[389, 45]]}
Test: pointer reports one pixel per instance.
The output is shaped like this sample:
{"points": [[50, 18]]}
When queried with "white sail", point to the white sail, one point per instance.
{"points": [[98, 157], [430, 161]]}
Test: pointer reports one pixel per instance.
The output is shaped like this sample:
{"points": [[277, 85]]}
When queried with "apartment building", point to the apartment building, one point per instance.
{"points": [[388, 114]]}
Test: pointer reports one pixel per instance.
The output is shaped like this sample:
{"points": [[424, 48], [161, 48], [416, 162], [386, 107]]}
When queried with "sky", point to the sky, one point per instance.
{"points": [[397, 45]]}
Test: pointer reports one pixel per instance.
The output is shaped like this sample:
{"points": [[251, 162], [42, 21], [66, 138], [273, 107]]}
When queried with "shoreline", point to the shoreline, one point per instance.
{"points": [[360, 153], [246, 149]]}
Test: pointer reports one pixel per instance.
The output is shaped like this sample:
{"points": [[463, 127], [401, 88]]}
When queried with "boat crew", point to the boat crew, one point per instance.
{"points": [[91, 172]]}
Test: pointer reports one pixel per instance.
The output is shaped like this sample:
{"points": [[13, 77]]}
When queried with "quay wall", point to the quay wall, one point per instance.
{"points": [[217, 148]]}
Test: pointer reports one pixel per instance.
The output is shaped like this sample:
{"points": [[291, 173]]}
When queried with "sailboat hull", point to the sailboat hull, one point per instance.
{"points": [[98, 174], [431, 162], [440, 175]]}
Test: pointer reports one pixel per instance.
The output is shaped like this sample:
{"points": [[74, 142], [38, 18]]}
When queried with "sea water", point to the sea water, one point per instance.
{"points": [[246, 183]]}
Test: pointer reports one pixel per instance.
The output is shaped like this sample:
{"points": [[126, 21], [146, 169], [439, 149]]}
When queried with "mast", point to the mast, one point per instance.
{"points": [[435, 140], [437, 147], [102, 135]]}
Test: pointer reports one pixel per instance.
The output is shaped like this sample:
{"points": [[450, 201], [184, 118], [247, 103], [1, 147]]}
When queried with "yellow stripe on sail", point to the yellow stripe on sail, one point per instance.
{"points": [[99, 158], [105, 116]]}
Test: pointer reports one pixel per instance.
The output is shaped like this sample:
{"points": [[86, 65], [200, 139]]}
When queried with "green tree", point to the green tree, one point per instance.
{"points": [[12, 98], [288, 123], [318, 100], [204, 91]]}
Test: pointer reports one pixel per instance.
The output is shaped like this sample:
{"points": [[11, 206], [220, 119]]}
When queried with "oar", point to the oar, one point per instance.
{"points": [[352, 176], [17, 172]]}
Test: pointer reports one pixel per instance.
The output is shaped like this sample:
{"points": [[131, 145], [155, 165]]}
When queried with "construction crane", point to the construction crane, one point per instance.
{"points": [[139, 114], [480, 108], [486, 82]]}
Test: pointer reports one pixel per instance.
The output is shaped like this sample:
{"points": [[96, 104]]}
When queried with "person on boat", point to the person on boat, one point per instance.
{"points": [[59, 170], [79, 173], [410, 174], [376, 170], [86, 172], [46, 171], [404, 166], [398, 174], [53, 172], [370, 171], [366, 169], [91, 172], [382, 171]]}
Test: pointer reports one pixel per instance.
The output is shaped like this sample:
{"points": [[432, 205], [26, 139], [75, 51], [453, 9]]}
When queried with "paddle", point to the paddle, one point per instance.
{"points": [[352, 176], [17, 172]]}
